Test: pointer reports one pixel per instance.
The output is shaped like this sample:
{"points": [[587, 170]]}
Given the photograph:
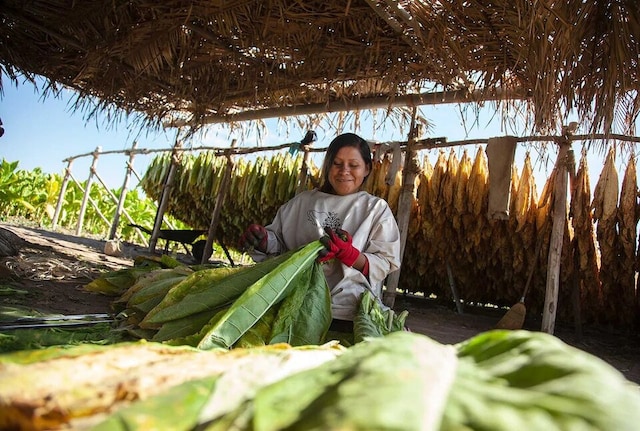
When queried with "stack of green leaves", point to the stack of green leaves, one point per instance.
{"points": [[114, 283], [499, 380], [372, 320], [45, 333], [282, 299], [522, 380]]}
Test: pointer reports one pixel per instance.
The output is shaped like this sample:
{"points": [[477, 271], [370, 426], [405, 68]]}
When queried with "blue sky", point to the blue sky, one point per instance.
{"points": [[43, 132]]}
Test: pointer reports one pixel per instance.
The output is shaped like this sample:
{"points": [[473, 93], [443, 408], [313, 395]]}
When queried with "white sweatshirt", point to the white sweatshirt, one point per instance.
{"points": [[367, 218]]}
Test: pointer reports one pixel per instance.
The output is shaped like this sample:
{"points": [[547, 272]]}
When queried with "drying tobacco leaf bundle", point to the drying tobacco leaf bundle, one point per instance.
{"points": [[260, 187]]}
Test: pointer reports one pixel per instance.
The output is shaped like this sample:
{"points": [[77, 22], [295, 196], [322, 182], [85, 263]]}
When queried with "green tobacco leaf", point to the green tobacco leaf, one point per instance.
{"points": [[148, 298], [238, 419], [40, 338], [145, 287], [115, 283], [372, 320], [197, 282], [11, 291], [141, 283], [190, 325], [149, 304], [259, 297], [251, 370], [396, 382], [185, 326], [169, 262], [185, 401], [210, 293], [367, 321], [30, 356], [305, 315], [258, 334], [534, 381]]}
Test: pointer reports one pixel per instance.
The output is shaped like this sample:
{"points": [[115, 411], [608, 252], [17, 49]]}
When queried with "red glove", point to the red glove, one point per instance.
{"points": [[338, 244], [254, 237]]}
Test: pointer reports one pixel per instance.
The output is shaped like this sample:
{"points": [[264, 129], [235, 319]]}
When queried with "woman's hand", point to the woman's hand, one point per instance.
{"points": [[254, 237], [338, 244]]}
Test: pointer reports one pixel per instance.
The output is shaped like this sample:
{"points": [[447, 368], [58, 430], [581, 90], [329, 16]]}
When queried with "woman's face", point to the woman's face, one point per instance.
{"points": [[348, 171]]}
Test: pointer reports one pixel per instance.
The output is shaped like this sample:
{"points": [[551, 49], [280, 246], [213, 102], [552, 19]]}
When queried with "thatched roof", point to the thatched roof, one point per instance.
{"points": [[209, 60]]}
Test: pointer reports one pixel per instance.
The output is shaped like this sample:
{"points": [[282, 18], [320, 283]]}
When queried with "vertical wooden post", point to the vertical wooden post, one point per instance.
{"points": [[63, 191], [559, 217], [575, 288], [454, 290], [87, 191], [405, 200], [217, 207], [302, 176], [164, 197], [123, 192]]}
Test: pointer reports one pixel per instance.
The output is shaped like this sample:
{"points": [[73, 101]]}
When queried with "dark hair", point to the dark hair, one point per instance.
{"points": [[341, 141]]}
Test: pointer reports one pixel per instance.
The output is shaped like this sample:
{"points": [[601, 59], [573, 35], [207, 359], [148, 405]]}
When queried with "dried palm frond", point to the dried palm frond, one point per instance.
{"points": [[226, 62]]}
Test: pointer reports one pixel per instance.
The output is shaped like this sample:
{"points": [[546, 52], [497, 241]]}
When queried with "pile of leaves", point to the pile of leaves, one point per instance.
{"points": [[284, 299], [248, 348], [281, 300], [498, 380]]}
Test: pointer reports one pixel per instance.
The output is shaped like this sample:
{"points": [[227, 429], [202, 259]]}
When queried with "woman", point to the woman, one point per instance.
{"points": [[358, 229]]}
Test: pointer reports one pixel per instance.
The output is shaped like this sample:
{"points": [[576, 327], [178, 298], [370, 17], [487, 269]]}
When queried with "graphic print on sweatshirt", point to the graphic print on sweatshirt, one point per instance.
{"points": [[324, 219]]}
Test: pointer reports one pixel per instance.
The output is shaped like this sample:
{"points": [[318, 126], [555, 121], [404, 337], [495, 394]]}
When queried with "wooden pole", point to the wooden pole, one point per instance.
{"points": [[63, 192], [454, 290], [117, 202], [575, 282], [164, 197], [559, 217], [422, 144], [139, 178], [123, 193], [378, 102], [302, 176], [93, 203], [87, 191], [217, 207], [403, 213]]}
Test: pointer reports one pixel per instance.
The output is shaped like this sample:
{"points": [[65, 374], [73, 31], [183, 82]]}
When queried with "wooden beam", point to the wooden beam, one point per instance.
{"points": [[217, 207], [63, 191], [422, 144], [559, 219], [403, 211], [164, 197], [403, 26], [381, 102], [87, 189]]}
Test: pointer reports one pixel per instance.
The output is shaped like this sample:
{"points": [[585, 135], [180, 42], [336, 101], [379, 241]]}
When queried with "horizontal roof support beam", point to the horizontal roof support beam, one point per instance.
{"points": [[382, 102]]}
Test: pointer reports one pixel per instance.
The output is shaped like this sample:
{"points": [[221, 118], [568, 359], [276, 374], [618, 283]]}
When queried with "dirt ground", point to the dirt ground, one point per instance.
{"points": [[52, 267]]}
